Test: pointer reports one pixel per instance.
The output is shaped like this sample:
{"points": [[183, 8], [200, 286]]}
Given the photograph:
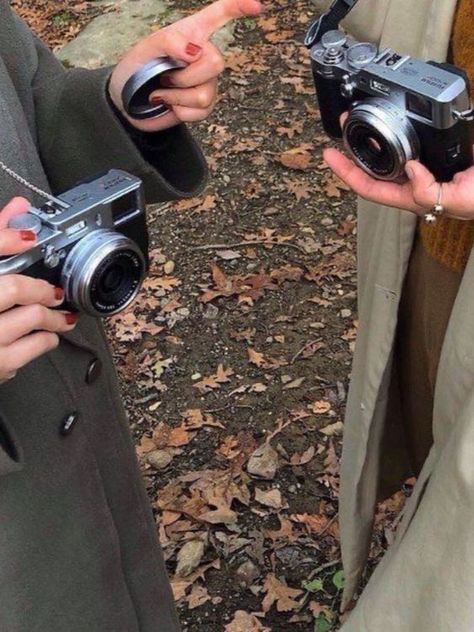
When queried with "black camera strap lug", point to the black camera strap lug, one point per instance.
{"points": [[329, 21]]}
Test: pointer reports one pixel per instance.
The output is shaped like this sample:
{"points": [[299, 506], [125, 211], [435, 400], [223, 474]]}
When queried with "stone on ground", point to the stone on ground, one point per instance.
{"points": [[104, 40]]}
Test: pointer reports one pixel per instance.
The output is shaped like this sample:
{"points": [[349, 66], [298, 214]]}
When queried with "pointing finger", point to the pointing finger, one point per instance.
{"points": [[216, 15]]}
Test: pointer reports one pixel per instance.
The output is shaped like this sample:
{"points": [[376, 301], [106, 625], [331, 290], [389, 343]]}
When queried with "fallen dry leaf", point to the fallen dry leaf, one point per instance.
{"points": [[271, 498], [279, 594], [245, 622]]}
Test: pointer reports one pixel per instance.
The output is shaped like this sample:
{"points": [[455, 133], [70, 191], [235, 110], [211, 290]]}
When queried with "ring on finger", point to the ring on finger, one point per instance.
{"points": [[436, 210]]}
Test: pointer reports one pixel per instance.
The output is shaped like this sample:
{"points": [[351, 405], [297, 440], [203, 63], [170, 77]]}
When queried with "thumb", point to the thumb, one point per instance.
{"points": [[16, 206], [424, 186]]}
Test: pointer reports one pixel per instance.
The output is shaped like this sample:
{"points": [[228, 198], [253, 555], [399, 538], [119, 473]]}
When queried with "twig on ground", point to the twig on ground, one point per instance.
{"points": [[302, 350], [242, 244]]}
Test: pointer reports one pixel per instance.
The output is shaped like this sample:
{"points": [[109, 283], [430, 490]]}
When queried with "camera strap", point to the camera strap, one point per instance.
{"points": [[32, 187], [329, 21]]}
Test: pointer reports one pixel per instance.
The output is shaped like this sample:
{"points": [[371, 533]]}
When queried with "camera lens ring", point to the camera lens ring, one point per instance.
{"points": [[394, 141], [88, 263]]}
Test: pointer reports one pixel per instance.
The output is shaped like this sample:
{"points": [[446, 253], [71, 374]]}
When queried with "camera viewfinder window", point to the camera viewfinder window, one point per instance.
{"points": [[124, 205], [420, 106]]}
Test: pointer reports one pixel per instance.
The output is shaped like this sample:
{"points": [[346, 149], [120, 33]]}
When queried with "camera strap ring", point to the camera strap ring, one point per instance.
{"points": [[329, 21]]}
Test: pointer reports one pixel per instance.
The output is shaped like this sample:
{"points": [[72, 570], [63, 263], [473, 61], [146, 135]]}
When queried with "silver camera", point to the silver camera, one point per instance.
{"points": [[92, 241], [400, 108]]}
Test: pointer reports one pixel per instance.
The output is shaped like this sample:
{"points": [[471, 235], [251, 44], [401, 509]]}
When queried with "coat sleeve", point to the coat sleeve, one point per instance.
{"points": [[79, 135]]}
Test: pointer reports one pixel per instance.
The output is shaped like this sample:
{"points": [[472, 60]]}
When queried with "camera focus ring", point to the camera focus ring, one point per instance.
{"points": [[103, 273]]}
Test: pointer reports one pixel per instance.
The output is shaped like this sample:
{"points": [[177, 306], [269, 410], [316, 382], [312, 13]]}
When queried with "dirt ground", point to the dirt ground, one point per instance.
{"points": [[235, 361]]}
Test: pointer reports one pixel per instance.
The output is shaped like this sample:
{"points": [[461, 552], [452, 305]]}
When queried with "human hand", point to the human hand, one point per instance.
{"points": [[28, 327], [418, 195], [192, 92]]}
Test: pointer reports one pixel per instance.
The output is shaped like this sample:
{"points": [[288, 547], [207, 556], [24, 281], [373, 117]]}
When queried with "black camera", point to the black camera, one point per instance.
{"points": [[92, 241], [399, 108]]}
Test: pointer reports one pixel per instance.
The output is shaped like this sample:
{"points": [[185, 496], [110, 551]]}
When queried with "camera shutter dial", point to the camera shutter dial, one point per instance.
{"points": [[361, 55]]}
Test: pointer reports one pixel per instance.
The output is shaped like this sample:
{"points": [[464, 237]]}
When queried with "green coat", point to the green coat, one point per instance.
{"points": [[78, 545], [425, 582]]}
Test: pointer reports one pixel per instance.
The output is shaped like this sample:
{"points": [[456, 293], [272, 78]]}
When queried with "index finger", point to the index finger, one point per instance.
{"points": [[216, 15]]}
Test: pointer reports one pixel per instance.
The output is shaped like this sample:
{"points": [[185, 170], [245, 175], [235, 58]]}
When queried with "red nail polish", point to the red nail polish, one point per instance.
{"points": [[166, 81], [58, 293], [27, 235], [156, 101], [71, 319], [193, 49]]}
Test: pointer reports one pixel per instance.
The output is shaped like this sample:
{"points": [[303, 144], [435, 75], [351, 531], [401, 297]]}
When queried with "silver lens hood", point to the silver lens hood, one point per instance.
{"points": [[83, 261], [393, 126], [137, 90]]}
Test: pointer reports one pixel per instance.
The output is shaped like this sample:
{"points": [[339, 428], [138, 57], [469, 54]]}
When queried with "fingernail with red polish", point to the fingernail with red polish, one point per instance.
{"points": [[71, 319], [193, 49], [58, 293], [166, 81], [155, 100], [27, 235]]}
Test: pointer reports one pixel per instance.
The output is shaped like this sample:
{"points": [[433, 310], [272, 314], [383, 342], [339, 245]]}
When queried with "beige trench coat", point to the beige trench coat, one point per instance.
{"points": [[425, 583]]}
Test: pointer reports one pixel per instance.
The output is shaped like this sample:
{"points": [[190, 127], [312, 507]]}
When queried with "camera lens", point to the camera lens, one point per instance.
{"points": [[103, 273], [372, 149], [380, 139]]}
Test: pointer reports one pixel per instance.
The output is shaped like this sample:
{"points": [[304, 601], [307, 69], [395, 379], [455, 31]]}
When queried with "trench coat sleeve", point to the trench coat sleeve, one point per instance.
{"points": [[79, 135]]}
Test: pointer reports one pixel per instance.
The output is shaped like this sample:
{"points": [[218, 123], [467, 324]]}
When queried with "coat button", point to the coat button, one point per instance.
{"points": [[93, 371], [68, 424]]}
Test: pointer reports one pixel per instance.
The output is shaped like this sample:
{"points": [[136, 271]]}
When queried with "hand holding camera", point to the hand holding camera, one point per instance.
{"points": [[28, 323], [171, 76], [417, 195], [406, 123]]}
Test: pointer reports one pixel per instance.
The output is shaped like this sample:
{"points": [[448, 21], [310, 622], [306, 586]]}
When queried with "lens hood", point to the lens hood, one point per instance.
{"points": [[137, 90]]}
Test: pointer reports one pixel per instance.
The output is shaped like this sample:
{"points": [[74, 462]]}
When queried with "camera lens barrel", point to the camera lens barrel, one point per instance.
{"points": [[103, 273], [381, 139]]}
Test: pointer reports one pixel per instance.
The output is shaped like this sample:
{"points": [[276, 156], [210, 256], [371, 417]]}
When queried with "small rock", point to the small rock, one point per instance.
{"points": [[263, 462], [346, 313], [169, 267], [210, 312], [229, 255], [327, 221], [335, 429], [246, 574], [189, 557], [159, 459]]}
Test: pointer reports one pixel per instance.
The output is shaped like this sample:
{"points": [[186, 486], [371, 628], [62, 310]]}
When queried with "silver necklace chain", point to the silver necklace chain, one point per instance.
{"points": [[30, 186]]}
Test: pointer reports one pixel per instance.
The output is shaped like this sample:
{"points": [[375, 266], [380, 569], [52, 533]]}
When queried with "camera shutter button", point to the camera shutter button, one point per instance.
{"points": [[26, 221]]}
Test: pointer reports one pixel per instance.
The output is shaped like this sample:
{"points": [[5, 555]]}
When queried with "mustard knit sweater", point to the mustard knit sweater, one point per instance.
{"points": [[449, 241]]}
